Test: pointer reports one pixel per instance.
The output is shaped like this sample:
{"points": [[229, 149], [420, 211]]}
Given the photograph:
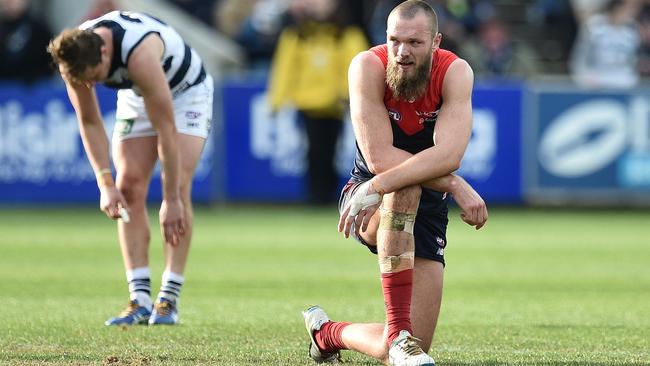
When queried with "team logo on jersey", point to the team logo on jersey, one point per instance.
{"points": [[427, 116], [441, 242], [394, 115]]}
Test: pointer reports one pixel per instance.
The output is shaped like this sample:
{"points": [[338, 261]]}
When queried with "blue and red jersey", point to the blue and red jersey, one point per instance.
{"points": [[413, 122]]}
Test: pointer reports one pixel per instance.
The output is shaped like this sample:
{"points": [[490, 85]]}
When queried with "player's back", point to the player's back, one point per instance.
{"points": [[182, 65]]}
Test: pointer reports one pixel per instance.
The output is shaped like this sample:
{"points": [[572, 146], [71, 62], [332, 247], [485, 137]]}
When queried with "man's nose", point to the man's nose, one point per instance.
{"points": [[403, 50]]}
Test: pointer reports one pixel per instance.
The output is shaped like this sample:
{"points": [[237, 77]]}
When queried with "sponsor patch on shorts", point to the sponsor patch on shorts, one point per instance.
{"points": [[192, 114], [124, 126]]}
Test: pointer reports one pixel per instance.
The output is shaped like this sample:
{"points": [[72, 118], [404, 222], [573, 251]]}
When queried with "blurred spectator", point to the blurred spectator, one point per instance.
{"points": [[200, 9], [98, 8], [230, 16], [377, 24], [255, 25], [494, 52], [469, 13], [584, 9], [556, 20], [644, 31], [309, 72], [606, 51], [23, 41]]}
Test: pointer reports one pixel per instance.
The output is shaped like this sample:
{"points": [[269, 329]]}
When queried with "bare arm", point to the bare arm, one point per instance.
{"points": [[93, 136], [452, 133], [91, 127], [366, 78], [374, 136], [147, 73]]}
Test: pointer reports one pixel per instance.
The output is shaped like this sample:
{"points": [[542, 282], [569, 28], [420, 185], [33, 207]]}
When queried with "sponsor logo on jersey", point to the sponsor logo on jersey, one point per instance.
{"points": [[427, 116]]}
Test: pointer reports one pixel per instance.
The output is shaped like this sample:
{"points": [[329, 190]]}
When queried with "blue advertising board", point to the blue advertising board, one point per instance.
{"points": [[41, 154], [588, 147], [265, 151]]}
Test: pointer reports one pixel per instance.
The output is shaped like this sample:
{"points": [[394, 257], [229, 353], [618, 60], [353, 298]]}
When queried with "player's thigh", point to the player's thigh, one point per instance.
{"points": [[190, 148], [370, 235], [426, 299], [135, 159], [403, 200]]}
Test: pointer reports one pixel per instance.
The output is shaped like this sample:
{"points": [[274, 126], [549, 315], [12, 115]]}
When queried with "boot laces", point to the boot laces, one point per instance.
{"points": [[131, 307], [411, 347], [163, 308]]}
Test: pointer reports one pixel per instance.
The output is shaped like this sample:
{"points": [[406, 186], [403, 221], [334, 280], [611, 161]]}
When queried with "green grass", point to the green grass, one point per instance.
{"points": [[535, 287]]}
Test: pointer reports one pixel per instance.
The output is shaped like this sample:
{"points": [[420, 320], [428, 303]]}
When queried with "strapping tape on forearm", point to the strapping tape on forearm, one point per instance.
{"points": [[396, 263], [396, 221]]}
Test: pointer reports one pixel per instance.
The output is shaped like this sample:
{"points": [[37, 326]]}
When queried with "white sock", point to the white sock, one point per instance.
{"points": [[139, 280], [171, 286]]}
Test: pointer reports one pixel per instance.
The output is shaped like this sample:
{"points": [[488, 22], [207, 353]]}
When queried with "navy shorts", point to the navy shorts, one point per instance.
{"points": [[429, 231]]}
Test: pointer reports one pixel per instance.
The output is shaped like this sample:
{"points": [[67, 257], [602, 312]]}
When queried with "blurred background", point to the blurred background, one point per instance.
{"points": [[561, 100]]}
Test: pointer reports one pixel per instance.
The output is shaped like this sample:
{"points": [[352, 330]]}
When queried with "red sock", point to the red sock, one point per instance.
{"points": [[397, 297], [328, 338]]}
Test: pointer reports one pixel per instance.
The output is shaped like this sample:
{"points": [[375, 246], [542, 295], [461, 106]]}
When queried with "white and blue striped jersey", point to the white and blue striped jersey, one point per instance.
{"points": [[181, 64]]}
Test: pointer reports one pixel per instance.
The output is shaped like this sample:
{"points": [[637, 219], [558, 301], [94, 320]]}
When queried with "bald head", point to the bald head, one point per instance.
{"points": [[411, 8]]}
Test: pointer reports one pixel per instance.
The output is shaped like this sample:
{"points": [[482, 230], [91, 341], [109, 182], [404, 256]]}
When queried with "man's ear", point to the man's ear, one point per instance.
{"points": [[437, 40]]}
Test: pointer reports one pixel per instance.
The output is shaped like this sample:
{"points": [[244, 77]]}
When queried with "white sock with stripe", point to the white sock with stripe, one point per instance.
{"points": [[139, 280], [171, 286]]}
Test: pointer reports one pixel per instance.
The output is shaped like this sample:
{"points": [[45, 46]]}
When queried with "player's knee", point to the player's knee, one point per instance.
{"points": [[132, 187], [396, 221], [392, 255], [409, 193], [405, 199]]}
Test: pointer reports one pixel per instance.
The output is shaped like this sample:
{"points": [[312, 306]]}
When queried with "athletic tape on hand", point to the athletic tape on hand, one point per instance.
{"points": [[361, 199], [124, 215]]}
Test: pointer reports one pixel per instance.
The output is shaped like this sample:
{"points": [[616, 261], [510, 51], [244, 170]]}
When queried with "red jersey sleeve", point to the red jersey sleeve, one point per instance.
{"points": [[382, 52], [441, 61]]}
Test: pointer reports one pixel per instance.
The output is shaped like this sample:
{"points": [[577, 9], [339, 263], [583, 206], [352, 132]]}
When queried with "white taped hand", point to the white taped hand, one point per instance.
{"points": [[361, 200], [359, 209]]}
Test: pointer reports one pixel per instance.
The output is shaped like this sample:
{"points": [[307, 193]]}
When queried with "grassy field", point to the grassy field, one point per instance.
{"points": [[535, 287]]}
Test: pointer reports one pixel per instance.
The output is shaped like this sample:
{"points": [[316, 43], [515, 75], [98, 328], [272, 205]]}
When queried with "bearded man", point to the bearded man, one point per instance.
{"points": [[411, 109]]}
